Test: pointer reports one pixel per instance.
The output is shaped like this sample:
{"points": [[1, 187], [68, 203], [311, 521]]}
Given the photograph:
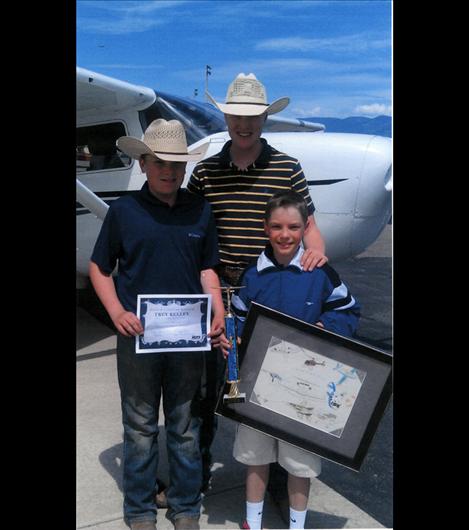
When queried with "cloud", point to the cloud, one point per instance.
{"points": [[132, 6], [146, 6], [125, 17], [133, 66], [117, 27], [359, 42], [374, 109], [261, 68], [305, 112]]}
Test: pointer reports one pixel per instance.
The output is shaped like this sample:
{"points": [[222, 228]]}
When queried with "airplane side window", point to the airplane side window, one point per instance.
{"points": [[96, 147]]}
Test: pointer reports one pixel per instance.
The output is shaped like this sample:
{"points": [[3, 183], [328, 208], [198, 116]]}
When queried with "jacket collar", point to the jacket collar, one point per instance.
{"points": [[267, 259]]}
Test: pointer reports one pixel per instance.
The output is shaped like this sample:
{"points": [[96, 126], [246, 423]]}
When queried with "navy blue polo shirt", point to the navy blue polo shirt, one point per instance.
{"points": [[159, 249]]}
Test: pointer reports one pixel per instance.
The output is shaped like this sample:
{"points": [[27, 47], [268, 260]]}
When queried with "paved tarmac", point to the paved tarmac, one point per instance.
{"points": [[369, 277], [340, 498]]}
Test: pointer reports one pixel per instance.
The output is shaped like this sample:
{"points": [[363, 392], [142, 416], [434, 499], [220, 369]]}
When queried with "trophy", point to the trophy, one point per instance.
{"points": [[234, 395]]}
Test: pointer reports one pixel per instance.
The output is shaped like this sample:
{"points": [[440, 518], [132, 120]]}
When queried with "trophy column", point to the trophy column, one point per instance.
{"points": [[234, 395]]}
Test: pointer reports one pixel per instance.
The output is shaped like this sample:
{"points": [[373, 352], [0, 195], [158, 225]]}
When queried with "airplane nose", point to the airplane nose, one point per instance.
{"points": [[373, 192], [373, 206]]}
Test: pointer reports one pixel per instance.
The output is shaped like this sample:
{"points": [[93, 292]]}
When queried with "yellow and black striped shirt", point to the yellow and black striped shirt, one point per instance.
{"points": [[238, 197]]}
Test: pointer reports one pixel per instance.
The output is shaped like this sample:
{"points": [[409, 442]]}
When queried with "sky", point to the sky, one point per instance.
{"points": [[333, 59]]}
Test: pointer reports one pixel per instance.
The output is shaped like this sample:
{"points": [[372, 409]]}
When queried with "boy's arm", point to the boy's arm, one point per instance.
{"points": [[193, 184], [314, 255], [344, 322], [126, 322], [211, 285], [312, 239], [340, 311]]}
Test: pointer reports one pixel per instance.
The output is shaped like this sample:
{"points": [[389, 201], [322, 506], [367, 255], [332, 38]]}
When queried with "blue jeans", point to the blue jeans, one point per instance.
{"points": [[143, 378], [213, 378]]}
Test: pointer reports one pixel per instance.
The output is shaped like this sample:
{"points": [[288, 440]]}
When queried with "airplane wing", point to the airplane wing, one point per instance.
{"points": [[99, 92], [278, 124]]}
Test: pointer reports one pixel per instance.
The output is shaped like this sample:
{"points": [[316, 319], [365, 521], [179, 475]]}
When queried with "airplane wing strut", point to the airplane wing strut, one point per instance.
{"points": [[89, 199]]}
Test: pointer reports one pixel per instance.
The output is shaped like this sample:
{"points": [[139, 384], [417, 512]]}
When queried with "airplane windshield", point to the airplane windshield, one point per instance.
{"points": [[199, 119]]}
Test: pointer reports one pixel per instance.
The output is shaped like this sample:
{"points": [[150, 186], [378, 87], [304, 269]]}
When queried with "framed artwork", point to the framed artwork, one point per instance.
{"points": [[312, 388]]}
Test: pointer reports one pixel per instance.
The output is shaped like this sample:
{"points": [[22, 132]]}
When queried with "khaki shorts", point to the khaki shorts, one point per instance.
{"points": [[254, 448]]}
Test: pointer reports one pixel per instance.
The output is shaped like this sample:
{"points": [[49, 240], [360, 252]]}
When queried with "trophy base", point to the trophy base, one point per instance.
{"points": [[240, 398], [234, 395]]}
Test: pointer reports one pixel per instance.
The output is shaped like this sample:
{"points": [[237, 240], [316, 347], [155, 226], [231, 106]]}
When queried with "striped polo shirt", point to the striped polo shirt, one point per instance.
{"points": [[238, 197]]}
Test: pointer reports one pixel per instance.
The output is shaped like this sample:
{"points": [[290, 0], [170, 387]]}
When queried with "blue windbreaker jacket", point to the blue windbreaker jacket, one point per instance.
{"points": [[316, 296]]}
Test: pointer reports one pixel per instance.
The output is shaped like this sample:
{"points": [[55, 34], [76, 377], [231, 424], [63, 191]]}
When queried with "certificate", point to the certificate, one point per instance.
{"points": [[173, 322]]}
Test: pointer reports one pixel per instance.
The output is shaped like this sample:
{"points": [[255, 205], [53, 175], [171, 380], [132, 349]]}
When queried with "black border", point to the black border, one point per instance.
{"points": [[350, 449]]}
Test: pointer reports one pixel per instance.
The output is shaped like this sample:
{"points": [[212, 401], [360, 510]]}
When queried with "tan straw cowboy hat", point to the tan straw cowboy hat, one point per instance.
{"points": [[246, 96], [164, 139]]}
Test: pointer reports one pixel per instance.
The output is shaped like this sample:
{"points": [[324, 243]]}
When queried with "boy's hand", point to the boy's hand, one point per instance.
{"points": [[312, 258], [217, 335], [223, 343], [128, 324]]}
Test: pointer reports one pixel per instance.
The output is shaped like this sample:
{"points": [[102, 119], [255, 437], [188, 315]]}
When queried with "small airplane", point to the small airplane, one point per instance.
{"points": [[349, 175]]}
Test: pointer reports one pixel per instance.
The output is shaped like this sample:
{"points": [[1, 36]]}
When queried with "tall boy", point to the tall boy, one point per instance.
{"points": [[164, 241], [319, 297], [237, 182], [239, 179]]}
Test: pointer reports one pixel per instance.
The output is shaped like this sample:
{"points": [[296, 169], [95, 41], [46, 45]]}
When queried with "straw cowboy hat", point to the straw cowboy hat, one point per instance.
{"points": [[164, 139], [246, 96]]}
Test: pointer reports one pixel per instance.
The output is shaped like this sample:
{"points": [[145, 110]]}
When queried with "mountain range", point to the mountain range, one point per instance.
{"points": [[381, 125]]}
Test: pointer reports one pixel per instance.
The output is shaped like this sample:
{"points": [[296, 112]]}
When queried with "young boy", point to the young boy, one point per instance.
{"points": [[278, 281], [164, 241]]}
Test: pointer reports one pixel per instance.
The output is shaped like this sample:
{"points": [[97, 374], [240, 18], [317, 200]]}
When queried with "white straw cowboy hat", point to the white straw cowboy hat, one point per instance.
{"points": [[164, 139], [246, 96]]}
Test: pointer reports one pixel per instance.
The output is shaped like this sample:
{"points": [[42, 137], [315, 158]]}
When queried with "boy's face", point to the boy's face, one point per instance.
{"points": [[285, 230], [164, 178], [245, 131]]}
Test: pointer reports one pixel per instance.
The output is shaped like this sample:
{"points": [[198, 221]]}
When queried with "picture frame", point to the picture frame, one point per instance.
{"points": [[310, 387]]}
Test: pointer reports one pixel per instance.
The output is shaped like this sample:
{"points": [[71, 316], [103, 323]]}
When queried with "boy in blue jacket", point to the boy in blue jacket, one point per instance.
{"points": [[319, 297]]}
